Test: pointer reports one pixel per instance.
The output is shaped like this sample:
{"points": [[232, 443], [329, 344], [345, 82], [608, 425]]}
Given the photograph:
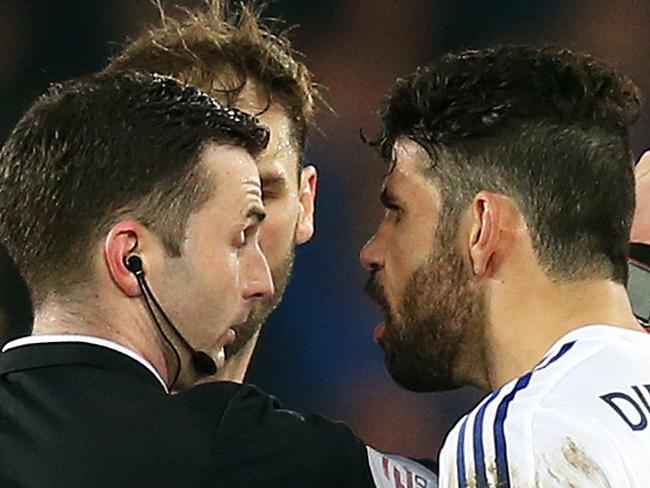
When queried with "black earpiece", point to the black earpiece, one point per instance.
{"points": [[134, 264]]}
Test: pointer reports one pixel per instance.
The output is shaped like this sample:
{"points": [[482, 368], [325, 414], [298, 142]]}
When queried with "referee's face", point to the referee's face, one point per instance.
{"points": [[210, 289], [430, 301]]}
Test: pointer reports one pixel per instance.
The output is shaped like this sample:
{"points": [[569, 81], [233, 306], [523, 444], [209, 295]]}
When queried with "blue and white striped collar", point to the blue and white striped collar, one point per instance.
{"points": [[588, 332]]}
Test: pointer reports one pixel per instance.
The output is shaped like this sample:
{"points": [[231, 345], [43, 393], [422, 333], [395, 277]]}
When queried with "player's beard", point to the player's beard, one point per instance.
{"points": [[441, 308], [262, 310]]}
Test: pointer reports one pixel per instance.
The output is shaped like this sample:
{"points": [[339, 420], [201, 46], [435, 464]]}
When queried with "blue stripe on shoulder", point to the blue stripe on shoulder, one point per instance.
{"points": [[503, 473], [479, 454], [563, 350], [460, 456]]}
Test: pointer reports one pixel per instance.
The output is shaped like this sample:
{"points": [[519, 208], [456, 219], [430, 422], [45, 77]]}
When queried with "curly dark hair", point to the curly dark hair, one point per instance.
{"points": [[546, 126], [92, 150]]}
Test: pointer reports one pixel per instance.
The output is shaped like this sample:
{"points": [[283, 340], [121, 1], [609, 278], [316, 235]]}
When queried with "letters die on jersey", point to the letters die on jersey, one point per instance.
{"points": [[579, 418]]}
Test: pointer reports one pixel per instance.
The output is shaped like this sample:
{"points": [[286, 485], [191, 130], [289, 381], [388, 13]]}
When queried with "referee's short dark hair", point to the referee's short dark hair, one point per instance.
{"points": [[545, 126], [91, 150]]}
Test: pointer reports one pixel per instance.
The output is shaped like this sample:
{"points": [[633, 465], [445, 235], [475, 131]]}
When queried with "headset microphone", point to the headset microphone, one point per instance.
{"points": [[201, 361]]}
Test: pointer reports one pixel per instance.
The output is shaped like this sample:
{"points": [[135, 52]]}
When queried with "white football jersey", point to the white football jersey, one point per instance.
{"points": [[578, 419]]}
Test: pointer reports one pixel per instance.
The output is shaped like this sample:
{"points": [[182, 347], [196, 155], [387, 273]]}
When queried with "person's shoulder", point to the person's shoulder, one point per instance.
{"points": [[257, 439], [617, 357], [475, 451], [479, 449], [506, 441], [564, 377], [210, 402], [556, 410]]}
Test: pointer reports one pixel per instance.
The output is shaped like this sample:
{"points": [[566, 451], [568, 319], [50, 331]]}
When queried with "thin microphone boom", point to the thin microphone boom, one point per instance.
{"points": [[201, 361]]}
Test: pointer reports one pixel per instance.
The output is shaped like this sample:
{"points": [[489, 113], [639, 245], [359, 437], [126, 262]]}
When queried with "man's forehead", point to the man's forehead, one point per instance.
{"points": [[230, 169], [282, 127], [407, 152], [221, 156], [283, 152], [409, 160]]}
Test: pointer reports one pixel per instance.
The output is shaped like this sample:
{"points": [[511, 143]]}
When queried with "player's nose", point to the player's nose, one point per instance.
{"points": [[371, 255]]}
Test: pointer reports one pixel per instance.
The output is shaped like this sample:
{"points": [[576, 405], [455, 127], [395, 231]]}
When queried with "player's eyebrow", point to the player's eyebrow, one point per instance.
{"points": [[273, 180]]}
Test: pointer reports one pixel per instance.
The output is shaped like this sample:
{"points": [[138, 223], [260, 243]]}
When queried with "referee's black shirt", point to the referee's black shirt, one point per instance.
{"points": [[82, 415]]}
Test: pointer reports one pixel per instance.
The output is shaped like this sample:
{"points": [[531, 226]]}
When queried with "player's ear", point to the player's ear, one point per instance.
{"points": [[484, 232], [306, 201], [122, 240]]}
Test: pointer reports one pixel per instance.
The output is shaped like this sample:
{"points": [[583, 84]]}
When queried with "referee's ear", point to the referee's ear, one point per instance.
{"points": [[493, 219], [121, 241]]}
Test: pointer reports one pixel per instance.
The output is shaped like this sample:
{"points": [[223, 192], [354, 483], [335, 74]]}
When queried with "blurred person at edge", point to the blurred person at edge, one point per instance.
{"points": [[641, 224], [501, 263], [639, 262]]}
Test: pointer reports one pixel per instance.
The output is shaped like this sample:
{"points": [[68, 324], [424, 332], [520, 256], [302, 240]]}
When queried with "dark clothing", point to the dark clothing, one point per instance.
{"points": [[80, 415]]}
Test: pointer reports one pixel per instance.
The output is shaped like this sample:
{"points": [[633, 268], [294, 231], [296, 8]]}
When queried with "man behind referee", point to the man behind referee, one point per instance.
{"points": [[233, 56]]}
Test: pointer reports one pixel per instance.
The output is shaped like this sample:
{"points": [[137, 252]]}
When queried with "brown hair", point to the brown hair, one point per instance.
{"points": [[220, 49]]}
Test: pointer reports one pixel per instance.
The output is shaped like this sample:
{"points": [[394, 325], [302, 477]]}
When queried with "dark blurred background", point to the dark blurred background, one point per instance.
{"points": [[317, 353]]}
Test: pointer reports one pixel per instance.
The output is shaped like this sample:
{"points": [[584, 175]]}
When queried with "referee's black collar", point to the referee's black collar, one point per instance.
{"points": [[49, 354]]}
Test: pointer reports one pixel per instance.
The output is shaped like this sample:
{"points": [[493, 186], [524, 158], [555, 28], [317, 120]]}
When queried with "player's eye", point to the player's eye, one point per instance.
{"points": [[269, 194], [394, 213], [273, 191], [393, 207]]}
